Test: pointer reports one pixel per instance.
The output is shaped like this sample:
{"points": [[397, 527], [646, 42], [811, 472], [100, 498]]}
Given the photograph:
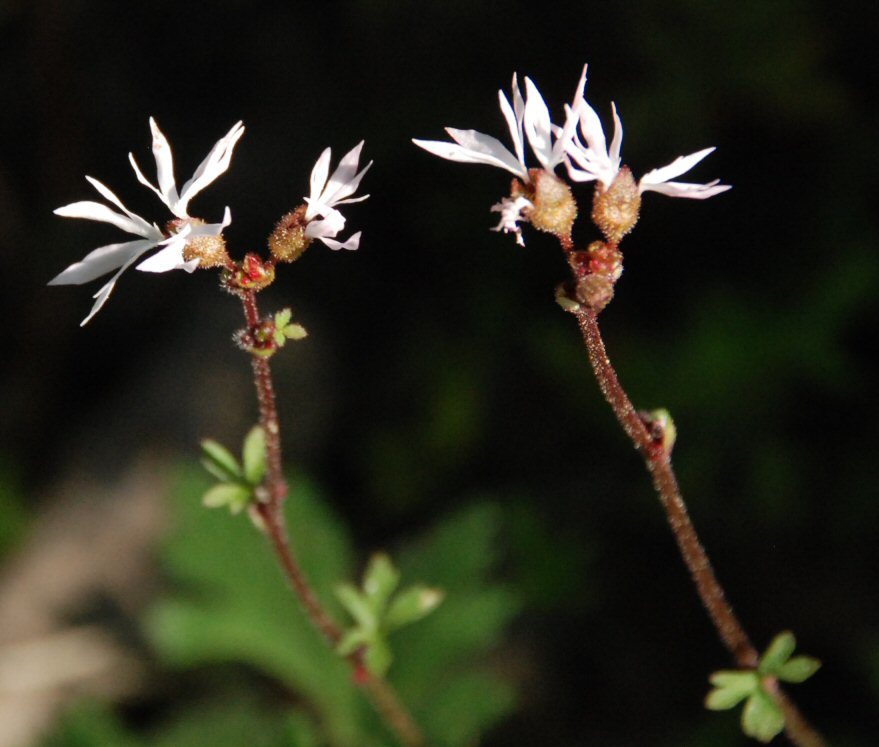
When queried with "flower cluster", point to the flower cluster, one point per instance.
{"points": [[186, 242], [586, 157]]}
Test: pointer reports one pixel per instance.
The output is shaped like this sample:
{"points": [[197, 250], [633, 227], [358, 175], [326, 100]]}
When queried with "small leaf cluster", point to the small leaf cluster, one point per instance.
{"points": [[284, 330], [239, 482], [762, 719], [377, 611]]}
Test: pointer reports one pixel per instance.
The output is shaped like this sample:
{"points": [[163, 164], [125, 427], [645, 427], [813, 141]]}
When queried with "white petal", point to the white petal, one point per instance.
{"points": [[537, 124], [319, 174], [208, 229], [104, 292], [97, 211], [345, 179], [617, 142], [351, 243], [101, 261], [593, 132], [215, 163], [107, 194], [681, 165], [514, 118], [565, 133], [683, 189], [169, 258], [164, 166], [332, 223], [476, 147], [143, 180]]}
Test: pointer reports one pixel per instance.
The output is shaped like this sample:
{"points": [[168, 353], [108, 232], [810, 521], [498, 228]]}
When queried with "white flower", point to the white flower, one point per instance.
{"points": [[170, 257], [594, 161], [512, 210], [325, 194], [527, 117]]}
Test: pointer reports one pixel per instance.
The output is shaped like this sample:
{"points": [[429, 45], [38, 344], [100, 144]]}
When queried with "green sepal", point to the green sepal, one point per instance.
{"points": [[235, 496], [761, 717], [730, 689], [253, 455], [412, 605], [798, 669], [358, 606], [378, 657], [777, 653], [380, 581], [218, 460]]}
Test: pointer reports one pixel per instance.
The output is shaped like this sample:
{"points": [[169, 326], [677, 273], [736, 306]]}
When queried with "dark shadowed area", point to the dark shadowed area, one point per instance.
{"points": [[442, 407]]}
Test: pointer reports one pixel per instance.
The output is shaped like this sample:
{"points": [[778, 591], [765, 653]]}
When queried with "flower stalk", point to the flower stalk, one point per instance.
{"points": [[270, 517]]}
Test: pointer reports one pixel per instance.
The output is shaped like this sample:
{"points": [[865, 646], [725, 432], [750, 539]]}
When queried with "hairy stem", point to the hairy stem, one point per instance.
{"points": [[382, 695], [658, 462]]}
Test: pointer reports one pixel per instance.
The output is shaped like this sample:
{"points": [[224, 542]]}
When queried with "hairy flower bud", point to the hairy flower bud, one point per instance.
{"points": [[288, 241], [252, 273], [594, 291], [554, 208], [615, 210], [210, 251]]}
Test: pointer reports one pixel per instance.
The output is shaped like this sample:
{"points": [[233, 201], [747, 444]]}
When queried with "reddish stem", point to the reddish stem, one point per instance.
{"points": [[658, 462], [384, 698]]}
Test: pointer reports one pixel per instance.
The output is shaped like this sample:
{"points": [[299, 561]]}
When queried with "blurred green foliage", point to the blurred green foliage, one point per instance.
{"points": [[230, 606]]}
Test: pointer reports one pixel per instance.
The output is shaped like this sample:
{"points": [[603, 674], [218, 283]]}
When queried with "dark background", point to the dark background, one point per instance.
{"points": [[438, 367]]}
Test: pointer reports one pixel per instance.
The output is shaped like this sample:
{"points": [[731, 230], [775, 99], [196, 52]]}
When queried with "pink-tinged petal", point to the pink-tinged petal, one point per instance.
{"points": [[101, 261], [538, 127], [684, 189], [617, 142], [96, 211], [681, 165], [107, 194], [215, 163], [164, 165], [351, 243]]}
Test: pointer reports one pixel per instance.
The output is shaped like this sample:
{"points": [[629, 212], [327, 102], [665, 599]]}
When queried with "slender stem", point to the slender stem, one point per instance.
{"points": [[383, 696], [658, 462]]}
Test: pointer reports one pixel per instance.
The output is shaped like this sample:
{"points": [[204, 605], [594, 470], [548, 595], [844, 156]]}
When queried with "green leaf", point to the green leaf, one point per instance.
{"points": [[236, 497], [219, 461], [798, 669], [378, 657], [761, 717], [357, 604], [731, 688], [777, 653], [283, 317], [295, 332], [354, 639], [253, 455], [380, 581], [411, 605]]}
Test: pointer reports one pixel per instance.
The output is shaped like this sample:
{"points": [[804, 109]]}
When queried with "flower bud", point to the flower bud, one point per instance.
{"points": [[554, 208], [288, 241], [594, 291], [252, 274], [660, 427], [615, 210]]}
